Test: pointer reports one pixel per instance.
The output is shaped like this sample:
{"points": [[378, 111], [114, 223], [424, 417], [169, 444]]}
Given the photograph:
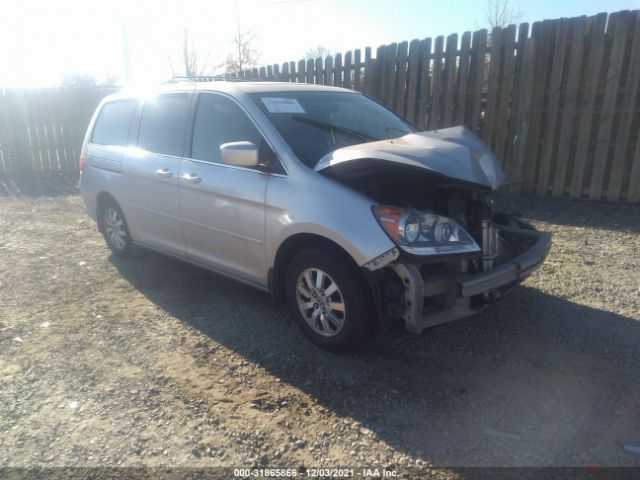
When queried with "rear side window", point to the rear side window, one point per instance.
{"points": [[162, 124], [112, 125]]}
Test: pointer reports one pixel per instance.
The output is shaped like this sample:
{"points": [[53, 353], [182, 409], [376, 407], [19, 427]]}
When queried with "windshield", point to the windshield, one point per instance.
{"points": [[317, 123]]}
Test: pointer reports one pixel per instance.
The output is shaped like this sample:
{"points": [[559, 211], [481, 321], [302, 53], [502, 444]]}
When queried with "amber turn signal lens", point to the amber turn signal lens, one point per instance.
{"points": [[389, 218]]}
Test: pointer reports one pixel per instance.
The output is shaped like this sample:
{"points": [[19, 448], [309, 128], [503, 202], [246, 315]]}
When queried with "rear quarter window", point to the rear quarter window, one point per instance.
{"points": [[113, 123]]}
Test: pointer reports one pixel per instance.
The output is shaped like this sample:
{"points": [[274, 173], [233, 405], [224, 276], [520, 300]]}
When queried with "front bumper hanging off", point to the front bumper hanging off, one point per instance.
{"points": [[466, 293]]}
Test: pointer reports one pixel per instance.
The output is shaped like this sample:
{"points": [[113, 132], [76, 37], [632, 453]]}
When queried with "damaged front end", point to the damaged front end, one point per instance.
{"points": [[455, 252]]}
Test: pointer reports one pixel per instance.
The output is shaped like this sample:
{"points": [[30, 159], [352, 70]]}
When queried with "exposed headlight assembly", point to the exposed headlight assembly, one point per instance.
{"points": [[422, 233]]}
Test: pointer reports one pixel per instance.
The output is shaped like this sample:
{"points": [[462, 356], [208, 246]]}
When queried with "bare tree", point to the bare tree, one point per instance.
{"points": [[501, 13], [190, 63], [78, 80], [244, 55], [319, 51]]}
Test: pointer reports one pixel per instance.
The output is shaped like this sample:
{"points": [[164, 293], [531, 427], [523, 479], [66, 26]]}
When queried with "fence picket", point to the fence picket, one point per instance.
{"points": [[553, 101], [318, 76], [449, 75], [328, 70], [310, 70], [543, 32], [515, 106], [400, 89], [619, 29], [517, 166], [380, 73], [346, 82], [596, 52], [462, 81], [504, 92], [571, 97], [369, 81], [412, 80], [492, 95], [357, 72], [434, 118], [424, 78], [476, 75], [390, 75], [630, 99], [337, 70]]}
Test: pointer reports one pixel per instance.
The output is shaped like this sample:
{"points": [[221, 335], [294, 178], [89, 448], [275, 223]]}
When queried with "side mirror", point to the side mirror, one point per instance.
{"points": [[240, 154]]}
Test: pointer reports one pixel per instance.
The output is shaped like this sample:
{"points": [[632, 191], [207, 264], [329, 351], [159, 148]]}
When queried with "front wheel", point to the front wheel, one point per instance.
{"points": [[328, 299]]}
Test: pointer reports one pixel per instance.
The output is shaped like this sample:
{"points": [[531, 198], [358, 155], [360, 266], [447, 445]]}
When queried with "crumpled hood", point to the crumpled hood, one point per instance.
{"points": [[453, 152]]}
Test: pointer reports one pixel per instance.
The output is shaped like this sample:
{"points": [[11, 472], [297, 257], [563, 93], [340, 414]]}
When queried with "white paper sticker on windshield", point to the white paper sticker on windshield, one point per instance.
{"points": [[282, 105]]}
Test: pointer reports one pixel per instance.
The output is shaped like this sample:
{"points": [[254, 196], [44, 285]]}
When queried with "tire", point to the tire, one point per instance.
{"points": [[114, 228], [346, 323]]}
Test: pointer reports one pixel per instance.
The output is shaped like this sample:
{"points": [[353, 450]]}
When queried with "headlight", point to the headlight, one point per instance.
{"points": [[411, 227], [422, 233]]}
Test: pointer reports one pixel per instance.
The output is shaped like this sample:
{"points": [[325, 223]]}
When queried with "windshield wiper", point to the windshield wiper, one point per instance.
{"points": [[328, 127]]}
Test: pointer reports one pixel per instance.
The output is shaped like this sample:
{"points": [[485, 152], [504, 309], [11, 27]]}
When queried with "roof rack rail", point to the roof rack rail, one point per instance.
{"points": [[206, 78]]}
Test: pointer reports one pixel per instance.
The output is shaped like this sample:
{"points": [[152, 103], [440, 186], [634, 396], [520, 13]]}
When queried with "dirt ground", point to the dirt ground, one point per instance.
{"points": [[105, 362]]}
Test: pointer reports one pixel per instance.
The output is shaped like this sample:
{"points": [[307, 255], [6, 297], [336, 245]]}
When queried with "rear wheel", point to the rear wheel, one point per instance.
{"points": [[115, 230], [328, 299]]}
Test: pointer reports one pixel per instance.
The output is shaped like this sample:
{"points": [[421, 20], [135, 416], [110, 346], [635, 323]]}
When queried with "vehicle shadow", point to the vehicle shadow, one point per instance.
{"points": [[535, 380]]}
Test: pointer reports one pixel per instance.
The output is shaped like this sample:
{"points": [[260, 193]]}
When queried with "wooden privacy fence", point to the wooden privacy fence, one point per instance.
{"points": [[41, 130], [558, 103]]}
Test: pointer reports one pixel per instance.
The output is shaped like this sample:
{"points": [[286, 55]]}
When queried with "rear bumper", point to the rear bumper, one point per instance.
{"points": [[430, 301]]}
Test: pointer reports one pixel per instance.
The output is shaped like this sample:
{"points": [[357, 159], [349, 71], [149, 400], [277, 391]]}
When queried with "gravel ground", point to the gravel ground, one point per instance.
{"points": [[150, 362]]}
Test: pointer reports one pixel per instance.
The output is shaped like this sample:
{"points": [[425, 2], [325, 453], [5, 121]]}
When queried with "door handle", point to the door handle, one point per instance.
{"points": [[164, 172], [191, 177]]}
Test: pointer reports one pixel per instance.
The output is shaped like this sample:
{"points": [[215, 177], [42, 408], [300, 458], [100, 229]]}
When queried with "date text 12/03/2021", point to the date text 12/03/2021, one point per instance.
{"points": [[314, 472]]}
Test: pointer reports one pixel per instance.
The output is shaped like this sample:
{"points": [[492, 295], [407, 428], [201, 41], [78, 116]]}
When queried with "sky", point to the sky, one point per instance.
{"points": [[42, 40]]}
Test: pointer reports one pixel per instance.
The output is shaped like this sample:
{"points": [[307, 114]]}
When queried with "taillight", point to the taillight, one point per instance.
{"points": [[83, 157]]}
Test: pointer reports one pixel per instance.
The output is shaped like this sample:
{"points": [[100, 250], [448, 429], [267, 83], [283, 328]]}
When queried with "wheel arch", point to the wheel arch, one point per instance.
{"points": [[292, 245], [102, 199]]}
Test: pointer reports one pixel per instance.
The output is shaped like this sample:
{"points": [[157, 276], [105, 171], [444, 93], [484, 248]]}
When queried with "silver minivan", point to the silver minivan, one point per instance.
{"points": [[319, 195]]}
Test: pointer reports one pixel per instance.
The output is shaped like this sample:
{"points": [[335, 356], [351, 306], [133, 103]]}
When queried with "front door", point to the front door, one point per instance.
{"points": [[222, 207]]}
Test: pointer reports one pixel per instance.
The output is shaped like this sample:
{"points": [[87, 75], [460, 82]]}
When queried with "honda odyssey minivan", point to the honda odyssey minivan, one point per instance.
{"points": [[319, 195]]}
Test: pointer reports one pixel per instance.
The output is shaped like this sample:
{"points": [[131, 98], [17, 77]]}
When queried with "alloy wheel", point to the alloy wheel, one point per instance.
{"points": [[320, 302]]}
